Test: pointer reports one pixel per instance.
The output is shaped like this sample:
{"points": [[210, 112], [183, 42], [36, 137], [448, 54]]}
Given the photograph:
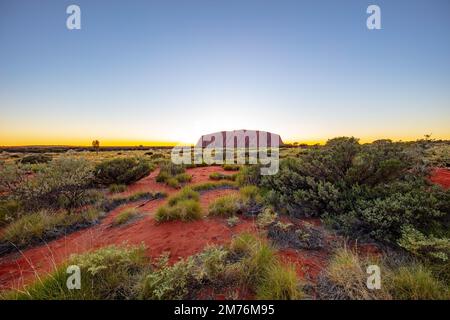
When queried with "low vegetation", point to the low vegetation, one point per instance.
{"points": [[173, 175], [221, 176], [44, 225], [125, 216], [248, 202], [122, 170], [184, 206]]}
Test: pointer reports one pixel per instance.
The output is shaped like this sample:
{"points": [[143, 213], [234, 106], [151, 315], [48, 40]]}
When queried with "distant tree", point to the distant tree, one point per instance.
{"points": [[96, 145]]}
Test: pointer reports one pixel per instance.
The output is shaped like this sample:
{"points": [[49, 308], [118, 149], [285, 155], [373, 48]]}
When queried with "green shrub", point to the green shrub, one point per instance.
{"points": [[416, 283], [345, 278], [172, 174], [185, 194], [117, 188], [221, 176], [36, 158], [214, 185], [36, 227], [183, 177], [184, 210], [64, 182], [9, 211], [125, 216], [365, 191], [425, 247], [121, 170], [225, 206], [172, 182], [107, 273], [231, 167], [266, 218]]}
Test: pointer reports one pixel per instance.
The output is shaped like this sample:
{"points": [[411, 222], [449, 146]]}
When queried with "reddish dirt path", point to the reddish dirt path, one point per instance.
{"points": [[181, 239], [441, 176]]}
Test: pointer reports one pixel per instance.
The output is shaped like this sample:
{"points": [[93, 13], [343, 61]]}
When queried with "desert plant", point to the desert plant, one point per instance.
{"points": [[117, 188], [279, 283], [107, 273], [121, 170], [125, 217], [36, 158], [43, 225], [184, 210], [221, 176], [415, 282], [232, 221], [226, 206], [345, 278]]}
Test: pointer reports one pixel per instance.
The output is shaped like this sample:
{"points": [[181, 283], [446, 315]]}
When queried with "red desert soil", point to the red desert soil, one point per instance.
{"points": [[441, 176], [181, 239]]}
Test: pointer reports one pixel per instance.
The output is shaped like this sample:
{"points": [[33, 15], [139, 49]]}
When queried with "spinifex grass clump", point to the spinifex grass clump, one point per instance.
{"points": [[122, 170], [108, 273], [221, 176], [172, 174], [125, 216], [248, 202], [184, 206], [45, 225]]}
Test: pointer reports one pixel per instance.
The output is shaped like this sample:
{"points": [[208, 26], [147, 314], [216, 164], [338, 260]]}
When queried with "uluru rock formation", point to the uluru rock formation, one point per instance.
{"points": [[239, 138]]}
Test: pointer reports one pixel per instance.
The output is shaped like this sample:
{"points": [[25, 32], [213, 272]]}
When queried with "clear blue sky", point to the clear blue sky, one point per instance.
{"points": [[166, 70]]}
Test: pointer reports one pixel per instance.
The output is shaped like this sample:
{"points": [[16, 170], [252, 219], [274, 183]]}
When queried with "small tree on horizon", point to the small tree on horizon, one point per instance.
{"points": [[96, 145]]}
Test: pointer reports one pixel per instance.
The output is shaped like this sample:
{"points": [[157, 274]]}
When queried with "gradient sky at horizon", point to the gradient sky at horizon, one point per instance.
{"points": [[141, 72]]}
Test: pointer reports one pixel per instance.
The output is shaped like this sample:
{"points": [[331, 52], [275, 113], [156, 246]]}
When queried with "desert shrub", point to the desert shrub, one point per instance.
{"points": [[247, 261], [214, 185], [304, 236], [232, 221], [185, 194], [226, 206], [416, 283], [367, 191], [231, 167], [184, 210], [125, 216], [63, 183], [345, 278], [279, 283], [168, 282], [266, 217], [249, 175], [121, 170], [117, 188], [170, 168], [36, 158], [107, 273], [110, 204], [172, 174], [221, 176], [183, 177], [42, 225], [173, 182], [425, 247], [439, 155]]}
